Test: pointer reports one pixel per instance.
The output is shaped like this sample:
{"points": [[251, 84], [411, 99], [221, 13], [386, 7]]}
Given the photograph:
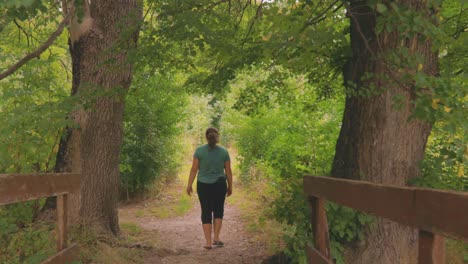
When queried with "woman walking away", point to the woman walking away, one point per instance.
{"points": [[213, 165]]}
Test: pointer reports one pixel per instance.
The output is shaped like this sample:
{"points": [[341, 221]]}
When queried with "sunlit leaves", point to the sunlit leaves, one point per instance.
{"points": [[283, 129], [35, 100], [210, 40], [154, 109]]}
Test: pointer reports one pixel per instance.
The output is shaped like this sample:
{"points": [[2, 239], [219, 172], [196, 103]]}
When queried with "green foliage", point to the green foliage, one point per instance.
{"points": [[23, 9], [211, 40], [34, 100], [200, 113], [154, 109], [35, 244], [345, 225], [200, 37], [281, 136], [21, 240], [445, 160], [436, 97]]}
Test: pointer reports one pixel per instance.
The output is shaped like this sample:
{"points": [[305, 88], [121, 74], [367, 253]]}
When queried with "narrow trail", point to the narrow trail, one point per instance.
{"points": [[181, 238]]}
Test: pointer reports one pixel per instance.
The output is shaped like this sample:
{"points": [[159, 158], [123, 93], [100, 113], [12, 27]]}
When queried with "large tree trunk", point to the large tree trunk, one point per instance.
{"points": [[377, 142], [100, 41]]}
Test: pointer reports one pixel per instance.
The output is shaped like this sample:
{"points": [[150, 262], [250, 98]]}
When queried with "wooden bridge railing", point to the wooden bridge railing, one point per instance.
{"points": [[16, 188], [434, 213]]}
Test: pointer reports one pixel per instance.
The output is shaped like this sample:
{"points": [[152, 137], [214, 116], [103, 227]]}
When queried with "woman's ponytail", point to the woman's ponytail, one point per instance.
{"points": [[212, 136]]}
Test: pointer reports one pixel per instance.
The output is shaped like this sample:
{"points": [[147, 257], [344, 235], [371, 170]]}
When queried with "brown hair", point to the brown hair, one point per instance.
{"points": [[212, 136]]}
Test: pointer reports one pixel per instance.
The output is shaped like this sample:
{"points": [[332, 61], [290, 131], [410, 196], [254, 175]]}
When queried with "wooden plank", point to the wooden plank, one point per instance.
{"points": [[315, 257], [443, 212], [389, 202], [62, 207], [432, 210], [66, 256], [24, 187], [431, 248], [320, 226]]}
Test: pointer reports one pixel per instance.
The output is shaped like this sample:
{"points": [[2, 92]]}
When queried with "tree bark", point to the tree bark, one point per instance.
{"points": [[100, 42], [377, 142]]}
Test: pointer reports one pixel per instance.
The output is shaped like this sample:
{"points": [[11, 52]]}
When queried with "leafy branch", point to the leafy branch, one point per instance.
{"points": [[322, 16], [257, 15], [38, 51]]}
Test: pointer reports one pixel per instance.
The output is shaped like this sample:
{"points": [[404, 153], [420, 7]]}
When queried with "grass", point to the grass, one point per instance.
{"points": [[171, 201], [130, 247], [117, 255], [31, 244], [169, 206], [254, 215], [456, 252], [250, 200], [179, 207], [140, 213], [133, 233], [131, 228]]}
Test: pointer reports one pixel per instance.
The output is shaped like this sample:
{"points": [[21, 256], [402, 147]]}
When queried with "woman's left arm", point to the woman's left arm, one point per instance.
{"points": [[227, 168]]}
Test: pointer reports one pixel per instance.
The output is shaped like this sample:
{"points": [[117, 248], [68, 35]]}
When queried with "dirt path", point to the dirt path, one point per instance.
{"points": [[181, 238]]}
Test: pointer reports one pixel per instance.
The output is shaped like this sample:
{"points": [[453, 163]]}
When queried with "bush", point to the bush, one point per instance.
{"points": [[280, 139], [443, 166], [154, 109], [21, 240]]}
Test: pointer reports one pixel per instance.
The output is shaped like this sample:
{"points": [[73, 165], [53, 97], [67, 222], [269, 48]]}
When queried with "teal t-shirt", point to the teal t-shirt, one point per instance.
{"points": [[211, 163]]}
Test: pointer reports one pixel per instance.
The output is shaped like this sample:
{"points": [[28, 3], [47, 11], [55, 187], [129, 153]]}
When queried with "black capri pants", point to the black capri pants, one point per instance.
{"points": [[212, 196]]}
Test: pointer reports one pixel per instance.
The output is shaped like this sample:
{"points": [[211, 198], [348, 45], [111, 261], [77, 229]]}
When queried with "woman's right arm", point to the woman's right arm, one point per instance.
{"points": [[193, 173]]}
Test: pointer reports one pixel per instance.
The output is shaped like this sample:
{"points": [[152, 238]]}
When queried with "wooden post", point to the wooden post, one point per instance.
{"points": [[431, 248], [320, 226], [62, 202]]}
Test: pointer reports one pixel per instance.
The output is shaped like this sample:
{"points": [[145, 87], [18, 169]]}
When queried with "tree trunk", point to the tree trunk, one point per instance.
{"points": [[377, 142], [100, 41]]}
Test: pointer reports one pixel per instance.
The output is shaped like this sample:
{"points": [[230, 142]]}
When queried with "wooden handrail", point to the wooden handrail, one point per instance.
{"points": [[25, 187], [16, 188], [433, 212]]}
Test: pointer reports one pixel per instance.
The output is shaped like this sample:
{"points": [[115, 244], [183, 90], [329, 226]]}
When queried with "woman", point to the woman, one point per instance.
{"points": [[213, 165]]}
